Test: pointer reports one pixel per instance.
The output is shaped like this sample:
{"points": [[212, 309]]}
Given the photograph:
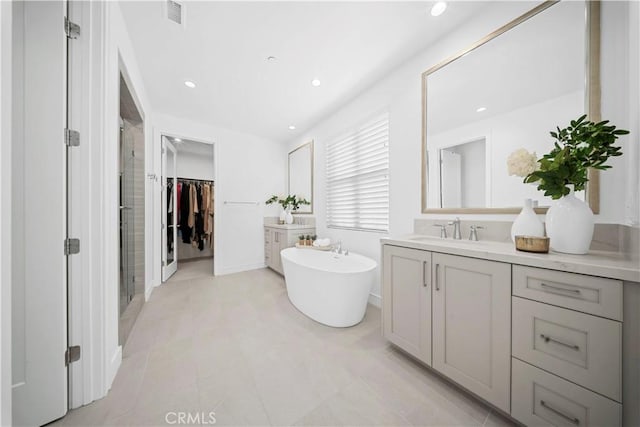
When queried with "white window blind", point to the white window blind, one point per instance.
{"points": [[358, 178]]}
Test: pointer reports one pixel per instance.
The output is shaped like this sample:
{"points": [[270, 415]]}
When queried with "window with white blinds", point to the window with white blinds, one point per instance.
{"points": [[358, 178]]}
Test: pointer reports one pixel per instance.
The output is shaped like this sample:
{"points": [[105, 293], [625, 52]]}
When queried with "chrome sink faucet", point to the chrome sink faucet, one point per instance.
{"points": [[473, 232], [457, 235], [443, 230]]}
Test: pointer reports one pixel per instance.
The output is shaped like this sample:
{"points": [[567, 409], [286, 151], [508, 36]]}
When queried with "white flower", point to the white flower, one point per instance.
{"points": [[522, 163]]}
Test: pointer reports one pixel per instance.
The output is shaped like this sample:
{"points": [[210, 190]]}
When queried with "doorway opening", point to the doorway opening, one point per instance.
{"points": [[188, 208], [131, 206]]}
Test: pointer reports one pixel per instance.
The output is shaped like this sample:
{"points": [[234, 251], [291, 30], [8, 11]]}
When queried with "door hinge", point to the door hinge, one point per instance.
{"points": [[71, 137], [71, 29], [72, 355], [71, 246]]}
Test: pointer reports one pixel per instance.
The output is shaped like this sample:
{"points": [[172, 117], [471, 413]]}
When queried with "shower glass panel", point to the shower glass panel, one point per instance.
{"points": [[127, 215]]}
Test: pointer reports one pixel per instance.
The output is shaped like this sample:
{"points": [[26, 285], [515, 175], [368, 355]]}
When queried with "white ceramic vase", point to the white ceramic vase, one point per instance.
{"points": [[288, 216], [527, 223], [570, 225]]}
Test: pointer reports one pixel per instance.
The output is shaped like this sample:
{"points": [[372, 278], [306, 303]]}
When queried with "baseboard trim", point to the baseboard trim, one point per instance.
{"points": [[148, 291], [222, 271], [375, 300], [114, 365]]}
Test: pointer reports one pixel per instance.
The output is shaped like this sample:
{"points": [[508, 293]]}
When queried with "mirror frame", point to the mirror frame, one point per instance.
{"points": [[592, 103], [310, 143]]}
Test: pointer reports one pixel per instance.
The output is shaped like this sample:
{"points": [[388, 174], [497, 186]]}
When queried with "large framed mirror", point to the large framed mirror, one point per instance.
{"points": [[502, 94], [300, 175]]}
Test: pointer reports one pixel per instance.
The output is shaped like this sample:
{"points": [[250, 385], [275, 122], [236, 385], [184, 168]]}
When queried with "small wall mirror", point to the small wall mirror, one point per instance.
{"points": [[504, 93], [301, 175]]}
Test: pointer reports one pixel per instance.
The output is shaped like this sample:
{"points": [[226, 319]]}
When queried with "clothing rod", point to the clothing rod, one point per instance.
{"points": [[228, 202], [192, 180]]}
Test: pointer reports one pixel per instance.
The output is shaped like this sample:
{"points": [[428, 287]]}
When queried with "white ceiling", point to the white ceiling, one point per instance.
{"points": [[223, 47], [193, 147]]}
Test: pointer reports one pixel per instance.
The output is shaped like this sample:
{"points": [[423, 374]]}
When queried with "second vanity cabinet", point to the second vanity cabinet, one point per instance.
{"points": [[278, 237], [452, 313]]}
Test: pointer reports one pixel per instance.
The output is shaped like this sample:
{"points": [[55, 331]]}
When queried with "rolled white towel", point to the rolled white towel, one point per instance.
{"points": [[322, 242]]}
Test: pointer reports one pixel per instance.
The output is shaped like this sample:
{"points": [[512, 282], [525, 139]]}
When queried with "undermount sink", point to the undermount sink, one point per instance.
{"points": [[434, 239]]}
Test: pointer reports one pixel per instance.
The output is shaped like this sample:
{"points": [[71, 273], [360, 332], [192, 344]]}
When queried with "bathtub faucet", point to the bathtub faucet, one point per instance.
{"points": [[338, 247]]}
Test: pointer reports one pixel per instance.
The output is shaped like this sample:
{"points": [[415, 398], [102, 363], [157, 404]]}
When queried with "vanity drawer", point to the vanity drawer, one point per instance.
{"points": [[542, 399], [594, 295], [582, 348]]}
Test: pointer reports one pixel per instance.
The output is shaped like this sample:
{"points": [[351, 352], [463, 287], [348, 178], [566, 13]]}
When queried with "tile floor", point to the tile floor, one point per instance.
{"points": [[234, 345]]}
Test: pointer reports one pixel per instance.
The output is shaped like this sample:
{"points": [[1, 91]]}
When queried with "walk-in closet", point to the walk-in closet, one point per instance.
{"points": [[188, 207]]}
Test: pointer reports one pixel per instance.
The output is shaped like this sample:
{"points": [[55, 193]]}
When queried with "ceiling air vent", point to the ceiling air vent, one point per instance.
{"points": [[174, 11]]}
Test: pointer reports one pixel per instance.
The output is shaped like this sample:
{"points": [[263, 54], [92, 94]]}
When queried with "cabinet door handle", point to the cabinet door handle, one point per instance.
{"points": [[437, 277], [277, 238], [551, 288], [424, 274], [547, 338], [556, 411]]}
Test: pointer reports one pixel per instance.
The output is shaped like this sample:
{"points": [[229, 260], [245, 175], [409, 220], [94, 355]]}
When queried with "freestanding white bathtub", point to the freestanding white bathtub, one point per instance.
{"points": [[329, 288]]}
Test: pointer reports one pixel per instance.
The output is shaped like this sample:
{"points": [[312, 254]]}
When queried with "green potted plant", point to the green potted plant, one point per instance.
{"points": [[301, 240], [578, 147], [289, 203], [280, 200]]}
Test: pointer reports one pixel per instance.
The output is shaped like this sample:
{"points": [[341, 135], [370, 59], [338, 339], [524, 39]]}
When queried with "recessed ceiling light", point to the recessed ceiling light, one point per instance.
{"points": [[271, 58], [481, 109], [292, 127], [189, 84], [315, 82], [438, 8], [177, 140]]}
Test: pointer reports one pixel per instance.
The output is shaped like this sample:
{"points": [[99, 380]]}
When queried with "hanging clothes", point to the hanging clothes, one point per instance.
{"points": [[199, 218], [185, 208], [178, 194], [193, 205], [169, 217]]}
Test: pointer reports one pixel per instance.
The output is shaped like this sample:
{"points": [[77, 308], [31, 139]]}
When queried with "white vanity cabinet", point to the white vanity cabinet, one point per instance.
{"points": [[454, 309], [472, 325], [278, 237], [406, 300]]}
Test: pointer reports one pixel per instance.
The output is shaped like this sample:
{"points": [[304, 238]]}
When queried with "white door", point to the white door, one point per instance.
{"points": [[450, 179], [39, 300], [472, 325], [169, 210]]}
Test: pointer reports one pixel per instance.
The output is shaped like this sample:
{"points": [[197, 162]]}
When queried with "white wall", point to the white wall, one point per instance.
{"points": [[400, 94], [5, 212], [247, 168], [194, 165], [632, 208], [120, 57]]}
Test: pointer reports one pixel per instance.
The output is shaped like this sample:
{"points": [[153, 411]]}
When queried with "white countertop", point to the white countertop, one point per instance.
{"points": [[613, 265], [290, 226]]}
